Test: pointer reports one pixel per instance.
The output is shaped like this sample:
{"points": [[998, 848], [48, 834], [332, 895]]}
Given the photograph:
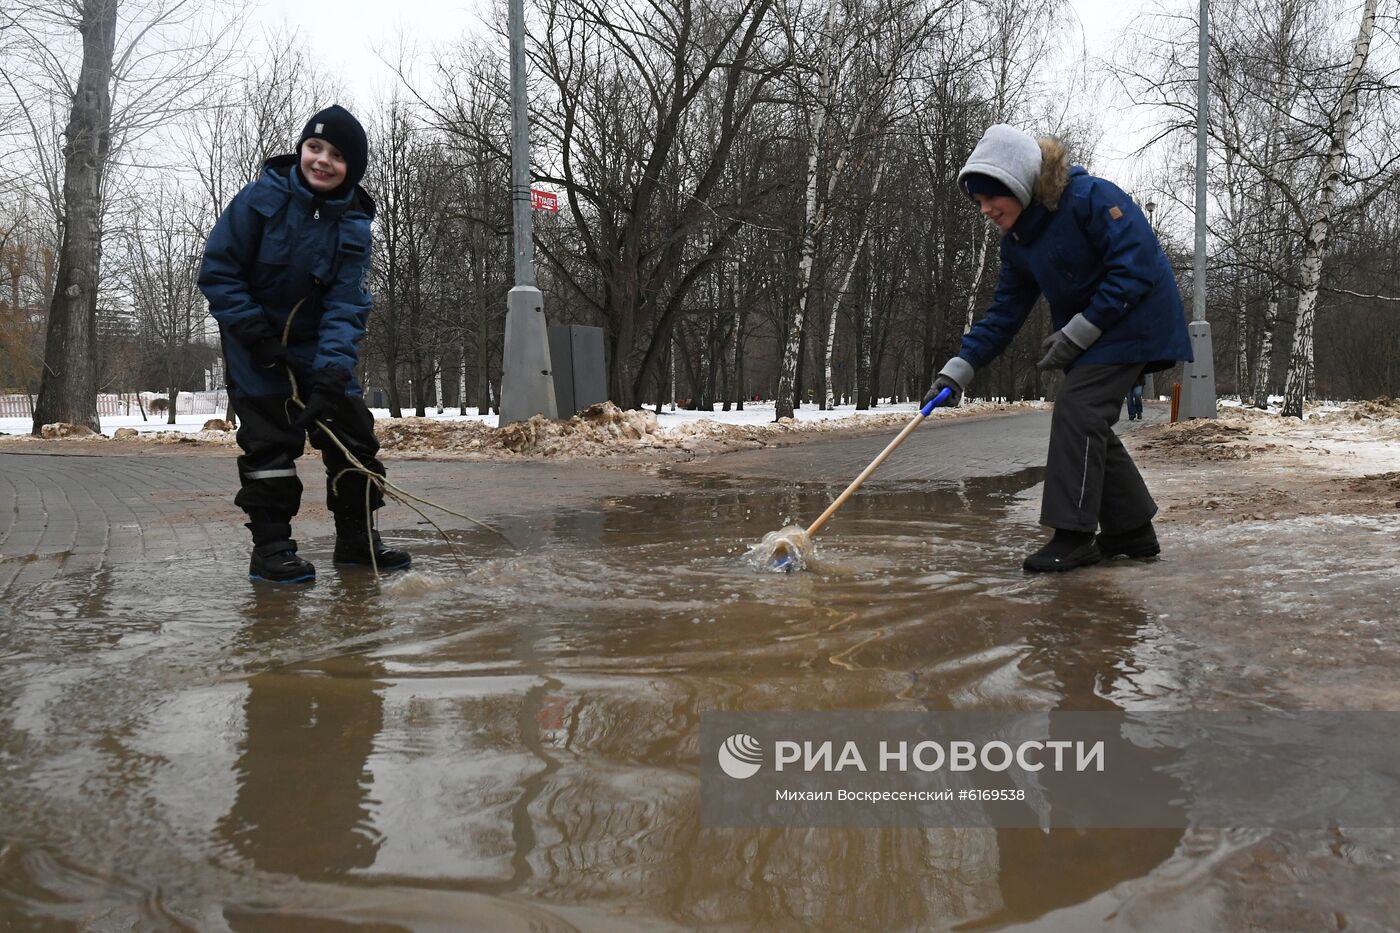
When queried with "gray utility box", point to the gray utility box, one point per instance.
{"points": [[580, 368]]}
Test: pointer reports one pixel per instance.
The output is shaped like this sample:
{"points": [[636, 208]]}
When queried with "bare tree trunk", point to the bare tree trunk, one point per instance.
{"points": [[462, 381], [483, 363], [1263, 365], [740, 389], [732, 390], [391, 375], [836, 306], [483, 330], [863, 376], [68, 388], [850, 273], [1241, 300], [787, 374], [420, 389], [1300, 358], [979, 267]]}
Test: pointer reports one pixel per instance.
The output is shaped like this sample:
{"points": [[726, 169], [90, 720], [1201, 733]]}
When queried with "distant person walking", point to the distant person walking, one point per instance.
{"points": [[1135, 399], [294, 246], [1083, 244]]}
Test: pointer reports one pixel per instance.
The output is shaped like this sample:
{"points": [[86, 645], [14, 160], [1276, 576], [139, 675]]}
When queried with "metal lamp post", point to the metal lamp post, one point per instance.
{"points": [[527, 381], [1198, 387]]}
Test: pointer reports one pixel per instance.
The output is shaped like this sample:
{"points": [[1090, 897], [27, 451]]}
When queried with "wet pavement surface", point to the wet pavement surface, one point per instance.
{"points": [[512, 743]]}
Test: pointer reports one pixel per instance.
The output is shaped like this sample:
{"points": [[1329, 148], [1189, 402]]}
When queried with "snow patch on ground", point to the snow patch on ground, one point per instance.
{"points": [[1359, 437]]}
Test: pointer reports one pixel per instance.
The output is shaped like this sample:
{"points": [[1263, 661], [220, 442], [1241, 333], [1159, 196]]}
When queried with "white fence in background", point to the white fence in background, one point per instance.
{"points": [[110, 404]]}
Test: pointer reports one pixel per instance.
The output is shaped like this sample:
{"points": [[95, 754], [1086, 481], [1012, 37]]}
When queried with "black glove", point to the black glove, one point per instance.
{"points": [[269, 352], [941, 383], [258, 337], [327, 390], [1064, 346]]}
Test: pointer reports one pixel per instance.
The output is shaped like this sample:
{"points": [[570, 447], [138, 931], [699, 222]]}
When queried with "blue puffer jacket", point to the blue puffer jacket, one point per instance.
{"points": [[1090, 250], [276, 244]]}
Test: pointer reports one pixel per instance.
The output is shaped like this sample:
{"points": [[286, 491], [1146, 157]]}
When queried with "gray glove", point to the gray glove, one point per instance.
{"points": [[1064, 346], [955, 374]]}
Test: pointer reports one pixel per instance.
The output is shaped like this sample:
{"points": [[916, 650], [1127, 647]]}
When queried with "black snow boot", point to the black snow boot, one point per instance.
{"points": [[274, 557], [1066, 551], [352, 546], [1139, 542]]}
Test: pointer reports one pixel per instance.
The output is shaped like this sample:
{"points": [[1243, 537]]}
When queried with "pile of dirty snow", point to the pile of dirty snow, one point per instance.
{"points": [[1364, 434], [1226, 437]]}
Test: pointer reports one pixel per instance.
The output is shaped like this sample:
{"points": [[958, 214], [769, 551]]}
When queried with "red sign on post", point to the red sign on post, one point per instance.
{"points": [[544, 201]]}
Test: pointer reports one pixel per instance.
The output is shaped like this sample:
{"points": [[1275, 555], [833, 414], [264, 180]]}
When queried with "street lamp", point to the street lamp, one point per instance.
{"points": [[527, 383], [1198, 386], [1151, 206]]}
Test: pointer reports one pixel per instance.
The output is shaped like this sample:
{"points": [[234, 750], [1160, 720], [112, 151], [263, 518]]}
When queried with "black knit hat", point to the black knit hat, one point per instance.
{"points": [[977, 183], [338, 126]]}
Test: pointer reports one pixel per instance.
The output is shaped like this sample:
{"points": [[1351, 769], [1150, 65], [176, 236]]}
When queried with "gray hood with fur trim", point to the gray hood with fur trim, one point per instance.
{"points": [[1033, 169]]}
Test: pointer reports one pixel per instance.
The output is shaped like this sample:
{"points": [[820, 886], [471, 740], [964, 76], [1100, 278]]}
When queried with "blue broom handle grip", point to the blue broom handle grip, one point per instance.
{"points": [[937, 400]]}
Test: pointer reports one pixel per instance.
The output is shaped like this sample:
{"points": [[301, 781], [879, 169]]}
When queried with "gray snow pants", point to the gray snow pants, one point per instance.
{"points": [[1090, 481]]}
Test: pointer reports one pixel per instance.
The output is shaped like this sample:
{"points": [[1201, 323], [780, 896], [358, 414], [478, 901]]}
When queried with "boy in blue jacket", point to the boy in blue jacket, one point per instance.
{"points": [[284, 271], [1083, 244]]}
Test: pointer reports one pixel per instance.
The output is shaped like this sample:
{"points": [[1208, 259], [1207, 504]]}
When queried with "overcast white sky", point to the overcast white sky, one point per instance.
{"points": [[347, 34]]}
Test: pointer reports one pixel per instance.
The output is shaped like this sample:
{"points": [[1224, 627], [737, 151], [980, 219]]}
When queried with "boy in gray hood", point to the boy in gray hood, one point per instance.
{"points": [[1086, 247]]}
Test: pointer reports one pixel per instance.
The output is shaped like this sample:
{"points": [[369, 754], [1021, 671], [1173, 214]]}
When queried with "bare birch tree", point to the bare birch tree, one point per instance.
{"points": [[1300, 360], [860, 59]]}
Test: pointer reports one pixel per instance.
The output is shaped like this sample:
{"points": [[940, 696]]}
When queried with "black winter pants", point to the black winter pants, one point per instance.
{"points": [[270, 488], [1090, 481]]}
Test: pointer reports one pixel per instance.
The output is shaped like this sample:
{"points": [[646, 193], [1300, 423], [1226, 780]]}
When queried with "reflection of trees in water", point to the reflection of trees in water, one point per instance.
{"points": [[302, 805], [622, 825], [626, 829]]}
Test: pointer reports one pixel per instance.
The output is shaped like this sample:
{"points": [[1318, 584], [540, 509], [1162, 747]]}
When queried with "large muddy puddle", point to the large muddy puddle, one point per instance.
{"points": [[513, 745]]}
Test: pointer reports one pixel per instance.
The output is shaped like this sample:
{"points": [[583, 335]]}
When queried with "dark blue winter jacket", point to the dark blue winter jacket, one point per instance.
{"points": [[1090, 251], [276, 244]]}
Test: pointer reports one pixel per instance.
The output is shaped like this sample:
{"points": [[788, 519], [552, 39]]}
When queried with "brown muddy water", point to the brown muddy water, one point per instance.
{"points": [[517, 749]]}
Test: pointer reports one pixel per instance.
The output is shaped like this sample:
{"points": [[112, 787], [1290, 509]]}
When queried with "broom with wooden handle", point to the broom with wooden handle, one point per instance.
{"points": [[788, 547]]}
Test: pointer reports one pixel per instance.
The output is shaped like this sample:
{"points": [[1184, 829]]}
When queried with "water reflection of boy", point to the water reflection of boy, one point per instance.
{"points": [[1087, 645], [302, 805]]}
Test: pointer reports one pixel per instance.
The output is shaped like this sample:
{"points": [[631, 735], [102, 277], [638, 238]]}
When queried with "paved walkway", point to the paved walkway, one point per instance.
{"points": [[939, 451], [66, 511]]}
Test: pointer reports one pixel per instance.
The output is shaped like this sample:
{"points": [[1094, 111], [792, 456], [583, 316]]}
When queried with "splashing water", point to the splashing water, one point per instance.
{"points": [[415, 583], [787, 550]]}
